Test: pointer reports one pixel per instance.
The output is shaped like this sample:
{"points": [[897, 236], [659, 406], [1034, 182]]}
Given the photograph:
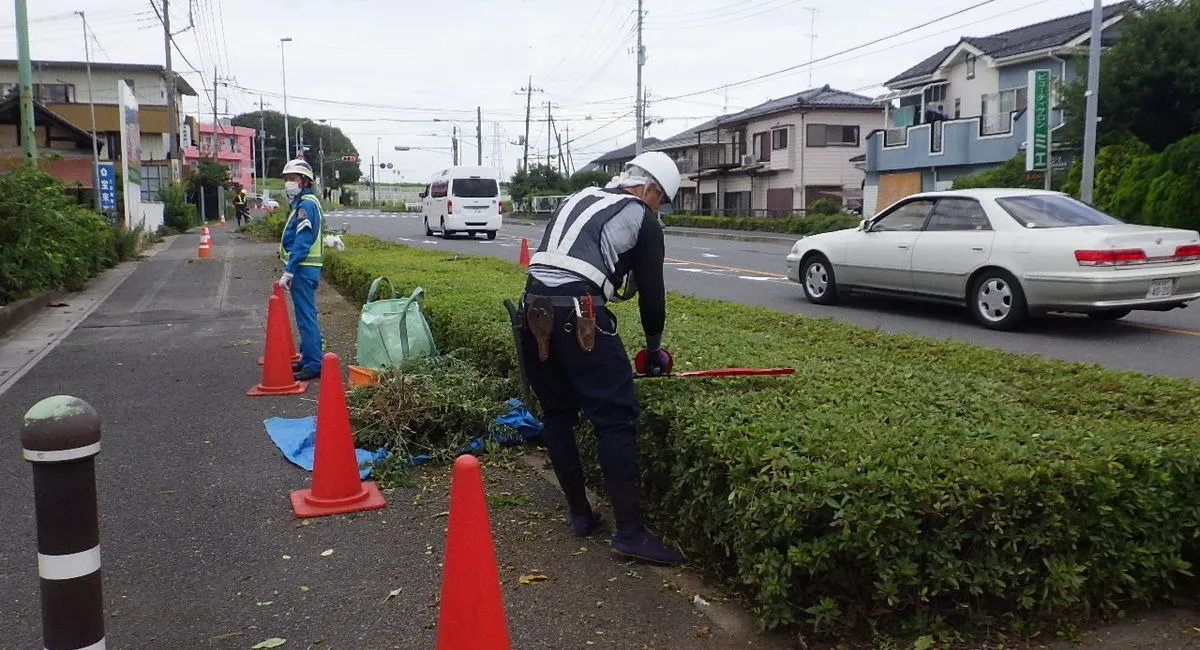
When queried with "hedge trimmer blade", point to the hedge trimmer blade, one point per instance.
{"points": [[728, 372]]}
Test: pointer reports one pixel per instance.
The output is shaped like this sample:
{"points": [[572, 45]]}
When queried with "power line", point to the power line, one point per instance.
{"points": [[830, 56]]}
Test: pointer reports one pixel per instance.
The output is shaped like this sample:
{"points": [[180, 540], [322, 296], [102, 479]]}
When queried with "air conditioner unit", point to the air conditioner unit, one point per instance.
{"points": [[748, 160]]}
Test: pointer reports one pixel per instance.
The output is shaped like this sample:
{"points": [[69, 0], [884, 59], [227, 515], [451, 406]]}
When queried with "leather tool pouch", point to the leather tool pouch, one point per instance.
{"points": [[585, 332], [539, 318]]}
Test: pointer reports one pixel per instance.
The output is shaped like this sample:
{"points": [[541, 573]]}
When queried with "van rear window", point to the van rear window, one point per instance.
{"points": [[475, 188]]}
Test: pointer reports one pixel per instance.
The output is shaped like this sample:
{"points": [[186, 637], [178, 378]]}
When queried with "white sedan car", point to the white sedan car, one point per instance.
{"points": [[1008, 254]]}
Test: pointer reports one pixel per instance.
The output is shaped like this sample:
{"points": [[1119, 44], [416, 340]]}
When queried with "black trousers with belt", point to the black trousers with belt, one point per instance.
{"points": [[599, 383]]}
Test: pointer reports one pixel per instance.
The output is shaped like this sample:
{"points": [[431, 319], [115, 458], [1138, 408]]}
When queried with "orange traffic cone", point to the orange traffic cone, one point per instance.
{"points": [[471, 611], [336, 488], [287, 326], [222, 224], [277, 370], [205, 249], [524, 259]]}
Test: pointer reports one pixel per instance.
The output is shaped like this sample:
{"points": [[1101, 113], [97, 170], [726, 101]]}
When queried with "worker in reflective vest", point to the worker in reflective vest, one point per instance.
{"points": [[300, 249], [595, 246], [239, 205]]}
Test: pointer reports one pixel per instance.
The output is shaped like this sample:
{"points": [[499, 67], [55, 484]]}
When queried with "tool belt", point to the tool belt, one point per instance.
{"points": [[539, 319]]}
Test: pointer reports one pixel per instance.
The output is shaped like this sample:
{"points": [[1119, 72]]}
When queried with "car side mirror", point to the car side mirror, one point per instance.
{"points": [[422, 195], [864, 225]]}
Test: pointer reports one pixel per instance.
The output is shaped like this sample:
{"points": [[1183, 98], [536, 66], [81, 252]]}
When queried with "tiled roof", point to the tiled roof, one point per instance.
{"points": [[701, 133], [624, 152], [824, 97], [1031, 38]]}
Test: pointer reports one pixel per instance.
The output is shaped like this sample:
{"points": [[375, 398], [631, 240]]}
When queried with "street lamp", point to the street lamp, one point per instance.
{"points": [[287, 135]]}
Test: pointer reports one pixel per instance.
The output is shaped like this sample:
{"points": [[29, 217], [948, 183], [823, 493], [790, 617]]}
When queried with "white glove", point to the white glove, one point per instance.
{"points": [[285, 281]]}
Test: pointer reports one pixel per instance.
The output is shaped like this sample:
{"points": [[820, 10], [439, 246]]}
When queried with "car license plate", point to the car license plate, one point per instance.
{"points": [[1161, 288]]}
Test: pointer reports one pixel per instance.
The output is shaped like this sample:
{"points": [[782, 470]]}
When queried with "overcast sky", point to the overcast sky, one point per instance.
{"points": [[383, 70]]}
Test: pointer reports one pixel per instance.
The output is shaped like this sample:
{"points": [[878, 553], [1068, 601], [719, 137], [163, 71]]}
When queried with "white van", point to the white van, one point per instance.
{"points": [[462, 199]]}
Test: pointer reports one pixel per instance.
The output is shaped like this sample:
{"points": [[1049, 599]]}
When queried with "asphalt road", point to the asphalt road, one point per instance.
{"points": [[752, 273]]}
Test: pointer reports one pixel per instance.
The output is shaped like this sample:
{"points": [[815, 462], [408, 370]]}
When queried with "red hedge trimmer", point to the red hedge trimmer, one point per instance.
{"points": [[639, 364]]}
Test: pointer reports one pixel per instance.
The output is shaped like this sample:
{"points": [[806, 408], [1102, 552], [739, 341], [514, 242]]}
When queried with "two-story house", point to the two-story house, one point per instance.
{"points": [[777, 158], [684, 148], [962, 110], [614, 161], [62, 88], [231, 146]]}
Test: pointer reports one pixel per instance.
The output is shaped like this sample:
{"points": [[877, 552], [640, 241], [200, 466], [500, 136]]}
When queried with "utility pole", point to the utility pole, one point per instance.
{"points": [[454, 142], [479, 136], [570, 164], [87, 53], [287, 136], [549, 128], [528, 90], [812, 44], [561, 163], [25, 80], [216, 125], [321, 157], [641, 61], [169, 74], [1093, 106], [262, 140]]}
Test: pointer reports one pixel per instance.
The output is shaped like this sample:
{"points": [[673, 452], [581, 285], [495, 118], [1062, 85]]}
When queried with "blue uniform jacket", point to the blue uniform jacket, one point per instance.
{"points": [[300, 233]]}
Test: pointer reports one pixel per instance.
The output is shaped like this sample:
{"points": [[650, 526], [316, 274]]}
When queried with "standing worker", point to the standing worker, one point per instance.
{"points": [[300, 249], [600, 241], [239, 205]]}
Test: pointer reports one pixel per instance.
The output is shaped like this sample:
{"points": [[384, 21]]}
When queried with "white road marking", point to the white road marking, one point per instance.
{"points": [[709, 255]]}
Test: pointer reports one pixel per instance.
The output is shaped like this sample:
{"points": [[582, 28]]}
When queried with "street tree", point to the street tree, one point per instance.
{"points": [[335, 142]]}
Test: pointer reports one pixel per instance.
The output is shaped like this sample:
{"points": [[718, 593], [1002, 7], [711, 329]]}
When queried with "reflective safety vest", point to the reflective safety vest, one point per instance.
{"points": [[318, 247], [575, 232], [239, 198]]}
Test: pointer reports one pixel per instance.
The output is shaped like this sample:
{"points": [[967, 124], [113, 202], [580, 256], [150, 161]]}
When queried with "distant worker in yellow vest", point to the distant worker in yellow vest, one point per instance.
{"points": [[300, 250], [239, 205]]}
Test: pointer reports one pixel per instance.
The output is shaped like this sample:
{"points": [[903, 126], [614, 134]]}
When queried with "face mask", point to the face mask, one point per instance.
{"points": [[291, 189]]}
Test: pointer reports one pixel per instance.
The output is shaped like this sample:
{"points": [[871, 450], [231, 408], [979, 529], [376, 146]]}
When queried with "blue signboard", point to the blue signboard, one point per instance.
{"points": [[106, 183]]}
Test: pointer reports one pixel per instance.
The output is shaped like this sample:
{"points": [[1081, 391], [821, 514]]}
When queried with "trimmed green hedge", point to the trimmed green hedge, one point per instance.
{"points": [[892, 477], [810, 225]]}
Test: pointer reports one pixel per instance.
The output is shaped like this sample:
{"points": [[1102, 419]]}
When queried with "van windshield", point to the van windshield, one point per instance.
{"points": [[475, 188]]}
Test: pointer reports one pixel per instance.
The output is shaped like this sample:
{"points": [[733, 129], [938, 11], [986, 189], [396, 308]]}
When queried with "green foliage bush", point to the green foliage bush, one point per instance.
{"points": [[268, 227], [896, 478], [824, 206], [810, 225], [178, 214], [47, 240]]}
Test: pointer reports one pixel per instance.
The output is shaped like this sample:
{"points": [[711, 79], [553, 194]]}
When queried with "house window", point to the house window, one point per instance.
{"points": [[997, 107], [971, 66], [832, 135], [153, 178], [54, 93], [779, 139], [762, 153]]}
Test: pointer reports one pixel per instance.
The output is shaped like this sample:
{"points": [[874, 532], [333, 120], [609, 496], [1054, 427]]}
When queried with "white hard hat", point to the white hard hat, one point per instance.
{"points": [[661, 168], [299, 166]]}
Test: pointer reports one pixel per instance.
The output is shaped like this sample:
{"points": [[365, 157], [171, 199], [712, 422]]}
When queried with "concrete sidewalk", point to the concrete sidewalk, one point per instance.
{"points": [[200, 547]]}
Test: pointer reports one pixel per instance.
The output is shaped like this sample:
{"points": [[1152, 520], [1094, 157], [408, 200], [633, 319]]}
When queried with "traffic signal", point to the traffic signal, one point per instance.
{"points": [[349, 159]]}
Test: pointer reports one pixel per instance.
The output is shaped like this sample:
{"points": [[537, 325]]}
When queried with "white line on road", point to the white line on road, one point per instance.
{"points": [[710, 255]]}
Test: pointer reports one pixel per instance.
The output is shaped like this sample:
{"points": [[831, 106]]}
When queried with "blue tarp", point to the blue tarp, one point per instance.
{"points": [[295, 436]]}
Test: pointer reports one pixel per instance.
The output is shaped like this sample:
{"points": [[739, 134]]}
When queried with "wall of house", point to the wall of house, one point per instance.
{"points": [[148, 86], [970, 91]]}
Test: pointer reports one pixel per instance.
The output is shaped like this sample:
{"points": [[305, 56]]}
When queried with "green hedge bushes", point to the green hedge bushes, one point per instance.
{"points": [[810, 225], [892, 478], [47, 240]]}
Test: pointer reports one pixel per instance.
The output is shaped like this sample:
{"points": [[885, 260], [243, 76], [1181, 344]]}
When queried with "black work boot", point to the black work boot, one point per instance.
{"points": [[583, 525], [632, 540], [306, 375], [640, 544]]}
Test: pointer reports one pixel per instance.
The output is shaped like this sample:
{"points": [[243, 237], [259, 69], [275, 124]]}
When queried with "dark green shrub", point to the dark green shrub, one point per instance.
{"points": [[905, 480], [824, 207]]}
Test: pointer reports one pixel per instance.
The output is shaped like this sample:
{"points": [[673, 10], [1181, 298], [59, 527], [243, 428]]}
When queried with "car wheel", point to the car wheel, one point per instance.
{"points": [[816, 276], [1110, 314], [428, 230], [491, 234], [997, 301], [445, 233]]}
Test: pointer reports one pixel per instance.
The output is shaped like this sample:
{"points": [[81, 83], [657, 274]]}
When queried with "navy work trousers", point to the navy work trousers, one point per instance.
{"points": [[600, 383], [304, 301]]}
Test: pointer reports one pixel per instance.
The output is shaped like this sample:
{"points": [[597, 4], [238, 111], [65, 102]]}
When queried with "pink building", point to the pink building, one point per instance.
{"points": [[230, 145]]}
